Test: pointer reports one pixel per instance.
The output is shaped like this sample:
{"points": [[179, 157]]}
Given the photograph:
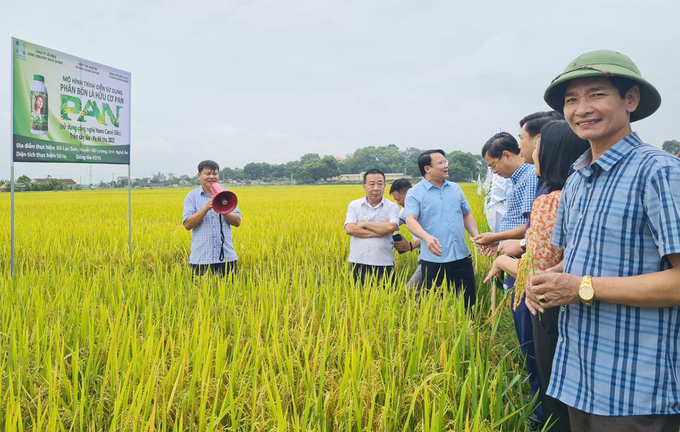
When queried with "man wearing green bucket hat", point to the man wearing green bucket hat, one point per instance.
{"points": [[617, 364]]}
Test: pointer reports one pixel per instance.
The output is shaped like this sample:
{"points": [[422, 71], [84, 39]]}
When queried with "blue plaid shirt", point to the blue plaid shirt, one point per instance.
{"points": [[619, 217], [206, 238], [524, 181]]}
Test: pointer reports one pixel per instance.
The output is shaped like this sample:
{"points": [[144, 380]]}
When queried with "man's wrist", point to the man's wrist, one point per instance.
{"points": [[586, 292]]}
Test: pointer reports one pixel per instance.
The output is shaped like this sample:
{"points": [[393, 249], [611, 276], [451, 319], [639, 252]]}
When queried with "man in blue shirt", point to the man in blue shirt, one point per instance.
{"points": [[437, 212], [617, 364], [502, 155], [211, 245]]}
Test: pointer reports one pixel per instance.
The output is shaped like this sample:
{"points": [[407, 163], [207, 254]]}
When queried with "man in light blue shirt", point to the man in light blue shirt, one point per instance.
{"points": [[438, 213], [211, 245]]}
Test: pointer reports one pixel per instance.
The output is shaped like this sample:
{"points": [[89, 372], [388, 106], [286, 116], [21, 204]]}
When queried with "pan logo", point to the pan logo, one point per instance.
{"points": [[20, 50], [21, 47]]}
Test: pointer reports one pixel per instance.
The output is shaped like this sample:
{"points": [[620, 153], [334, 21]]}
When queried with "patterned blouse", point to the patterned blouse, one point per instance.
{"points": [[543, 215]]}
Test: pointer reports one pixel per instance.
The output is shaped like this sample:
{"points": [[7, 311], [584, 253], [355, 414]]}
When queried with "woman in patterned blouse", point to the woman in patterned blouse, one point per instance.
{"points": [[556, 150]]}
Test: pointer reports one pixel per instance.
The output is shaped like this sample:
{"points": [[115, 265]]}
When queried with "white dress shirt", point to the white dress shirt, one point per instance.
{"points": [[372, 251]]}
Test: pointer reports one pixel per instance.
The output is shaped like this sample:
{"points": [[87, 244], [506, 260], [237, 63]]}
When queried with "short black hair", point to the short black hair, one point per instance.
{"points": [[373, 171], [211, 165], [558, 150], [499, 143], [400, 185], [622, 85], [534, 122], [425, 159]]}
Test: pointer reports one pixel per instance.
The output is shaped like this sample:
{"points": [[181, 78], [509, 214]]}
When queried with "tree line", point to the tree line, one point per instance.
{"points": [[25, 183], [672, 147], [312, 168]]}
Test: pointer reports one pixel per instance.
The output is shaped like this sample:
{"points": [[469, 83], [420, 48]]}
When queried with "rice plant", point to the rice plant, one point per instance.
{"points": [[93, 339]]}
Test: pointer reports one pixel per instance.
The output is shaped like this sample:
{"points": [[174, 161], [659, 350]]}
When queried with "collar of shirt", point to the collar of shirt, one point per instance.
{"points": [[380, 204], [429, 185], [584, 164], [519, 172]]}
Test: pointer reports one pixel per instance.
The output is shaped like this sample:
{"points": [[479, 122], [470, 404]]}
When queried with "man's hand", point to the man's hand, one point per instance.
{"points": [[195, 219], [433, 245], [487, 250], [402, 245], [355, 230], [510, 248], [493, 272], [552, 289], [484, 239], [379, 228]]}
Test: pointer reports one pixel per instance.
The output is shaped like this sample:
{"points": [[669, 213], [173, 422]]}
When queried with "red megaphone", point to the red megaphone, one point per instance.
{"points": [[224, 201]]}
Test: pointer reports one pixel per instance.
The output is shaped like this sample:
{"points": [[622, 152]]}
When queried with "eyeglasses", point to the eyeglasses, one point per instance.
{"points": [[442, 162], [493, 166]]}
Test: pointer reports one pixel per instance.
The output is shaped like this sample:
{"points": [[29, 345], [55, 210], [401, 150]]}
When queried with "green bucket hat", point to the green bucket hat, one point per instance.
{"points": [[604, 64]]}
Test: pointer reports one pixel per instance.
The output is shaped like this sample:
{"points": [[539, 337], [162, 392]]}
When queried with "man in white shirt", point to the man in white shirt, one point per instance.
{"points": [[370, 222]]}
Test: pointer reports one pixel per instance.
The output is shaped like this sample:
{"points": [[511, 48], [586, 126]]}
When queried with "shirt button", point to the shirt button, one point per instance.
{"points": [[561, 339], [589, 185], [563, 308], [580, 216]]}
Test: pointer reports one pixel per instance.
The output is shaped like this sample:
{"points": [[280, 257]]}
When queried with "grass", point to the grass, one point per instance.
{"points": [[95, 340]]}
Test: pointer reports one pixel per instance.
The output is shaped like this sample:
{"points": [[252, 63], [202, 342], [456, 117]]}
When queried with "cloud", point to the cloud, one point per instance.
{"points": [[213, 128], [154, 144]]}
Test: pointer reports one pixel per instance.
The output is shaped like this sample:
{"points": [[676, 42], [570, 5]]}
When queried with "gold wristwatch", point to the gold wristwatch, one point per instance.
{"points": [[586, 291]]}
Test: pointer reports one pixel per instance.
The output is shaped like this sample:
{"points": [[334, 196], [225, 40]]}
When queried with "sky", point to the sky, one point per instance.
{"points": [[241, 81]]}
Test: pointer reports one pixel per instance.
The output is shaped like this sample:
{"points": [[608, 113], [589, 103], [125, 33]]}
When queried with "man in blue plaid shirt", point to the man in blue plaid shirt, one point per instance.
{"points": [[617, 364], [502, 155], [211, 246]]}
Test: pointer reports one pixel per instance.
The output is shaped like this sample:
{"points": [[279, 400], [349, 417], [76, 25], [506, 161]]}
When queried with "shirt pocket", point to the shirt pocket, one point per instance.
{"points": [[454, 214]]}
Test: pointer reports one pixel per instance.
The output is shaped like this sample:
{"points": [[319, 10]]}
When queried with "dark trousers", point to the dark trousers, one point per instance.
{"points": [[584, 422], [459, 274], [525, 336], [545, 342], [219, 268], [363, 271]]}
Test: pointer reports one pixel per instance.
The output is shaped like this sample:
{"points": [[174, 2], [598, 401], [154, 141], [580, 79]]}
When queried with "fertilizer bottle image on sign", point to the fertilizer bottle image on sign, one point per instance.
{"points": [[38, 106]]}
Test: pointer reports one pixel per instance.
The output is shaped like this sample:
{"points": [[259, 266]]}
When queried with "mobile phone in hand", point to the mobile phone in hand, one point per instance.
{"points": [[398, 238]]}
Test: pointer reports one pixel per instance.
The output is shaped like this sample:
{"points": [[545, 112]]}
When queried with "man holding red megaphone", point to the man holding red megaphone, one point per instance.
{"points": [[209, 213]]}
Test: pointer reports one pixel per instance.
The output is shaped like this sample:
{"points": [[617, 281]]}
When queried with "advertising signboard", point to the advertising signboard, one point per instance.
{"points": [[68, 109]]}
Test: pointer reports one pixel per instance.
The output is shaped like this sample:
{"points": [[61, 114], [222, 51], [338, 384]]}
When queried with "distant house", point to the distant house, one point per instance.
{"points": [[395, 176], [348, 177], [360, 177], [50, 178]]}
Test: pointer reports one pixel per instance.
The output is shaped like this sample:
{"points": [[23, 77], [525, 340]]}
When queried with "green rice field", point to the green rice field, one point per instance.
{"points": [[93, 339]]}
